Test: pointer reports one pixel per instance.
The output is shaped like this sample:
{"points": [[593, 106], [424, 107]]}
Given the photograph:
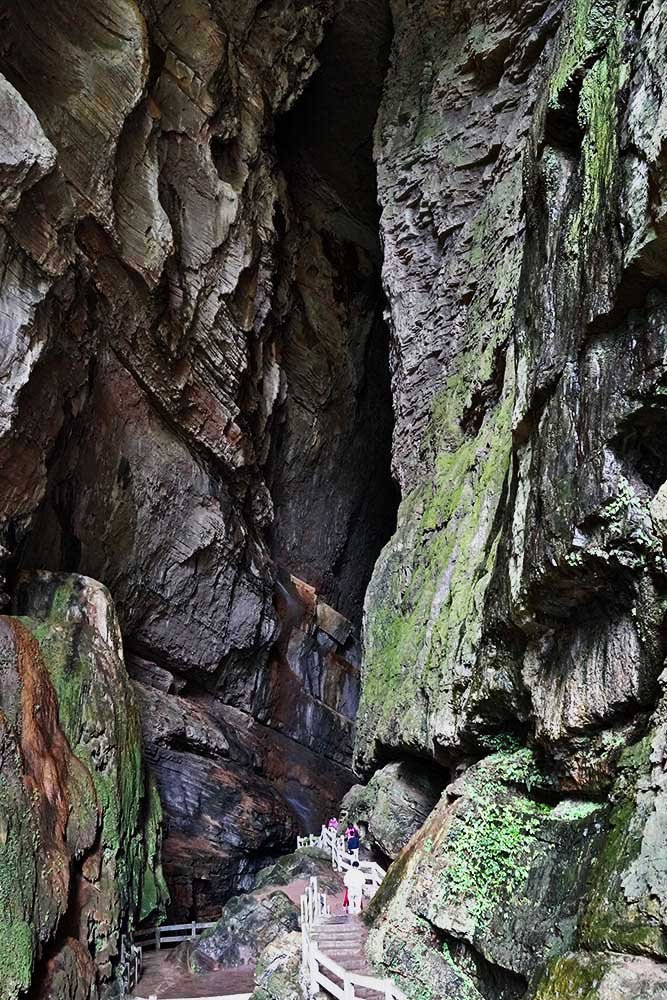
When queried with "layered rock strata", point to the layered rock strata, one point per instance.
{"points": [[192, 347]]}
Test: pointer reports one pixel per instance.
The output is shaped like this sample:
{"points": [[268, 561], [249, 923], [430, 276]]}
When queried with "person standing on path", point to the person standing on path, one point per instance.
{"points": [[354, 883]]}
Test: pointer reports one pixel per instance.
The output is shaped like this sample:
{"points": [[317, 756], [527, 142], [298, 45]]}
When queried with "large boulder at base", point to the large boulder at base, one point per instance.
{"points": [[79, 817], [278, 972], [598, 976], [494, 880], [393, 805], [247, 925]]}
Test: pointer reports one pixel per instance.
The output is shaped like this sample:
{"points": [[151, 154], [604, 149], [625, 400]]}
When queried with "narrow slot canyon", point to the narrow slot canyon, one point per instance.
{"points": [[333, 484]]}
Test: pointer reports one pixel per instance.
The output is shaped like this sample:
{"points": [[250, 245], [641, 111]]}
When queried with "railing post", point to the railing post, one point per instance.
{"points": [[348, 988], [157, 938], [194, 929], [314, 969]]}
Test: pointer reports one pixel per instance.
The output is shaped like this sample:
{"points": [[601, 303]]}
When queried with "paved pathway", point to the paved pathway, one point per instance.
{"points": [[168, 980]]}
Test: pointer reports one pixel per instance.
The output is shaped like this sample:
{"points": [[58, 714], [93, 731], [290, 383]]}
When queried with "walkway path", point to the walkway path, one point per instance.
{"points": [[334, 945], [343, 939], [166, 979]]}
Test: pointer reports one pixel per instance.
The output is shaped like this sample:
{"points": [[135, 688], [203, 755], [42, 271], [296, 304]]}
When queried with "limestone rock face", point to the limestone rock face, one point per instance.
{"points": [[192, 351], [247, 926], [393, 806], [521, 599], [603, 977], [492, 884], [79, 817], [278, 972], [517, 150], [233, 792]]}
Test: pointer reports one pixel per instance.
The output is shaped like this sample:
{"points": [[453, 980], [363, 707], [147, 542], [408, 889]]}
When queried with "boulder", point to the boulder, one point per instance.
{"points": [[247, 925], [303, 864], [80, 820], [278, 972], [393, 805]]}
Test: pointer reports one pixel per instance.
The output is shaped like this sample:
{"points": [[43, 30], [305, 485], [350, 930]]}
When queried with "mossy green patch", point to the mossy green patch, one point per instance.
{"points": [[586, 27], [19, 847], [427, 621], [491, 845], [611, 921], [572, 978]]}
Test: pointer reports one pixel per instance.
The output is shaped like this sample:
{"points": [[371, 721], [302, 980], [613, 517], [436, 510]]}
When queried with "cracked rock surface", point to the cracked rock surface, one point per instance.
{"points": [[192, 346]]}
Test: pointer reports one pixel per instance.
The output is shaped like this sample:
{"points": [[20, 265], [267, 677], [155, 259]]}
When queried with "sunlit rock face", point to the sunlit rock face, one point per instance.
{"points": [[194, 389], [80, 818]]}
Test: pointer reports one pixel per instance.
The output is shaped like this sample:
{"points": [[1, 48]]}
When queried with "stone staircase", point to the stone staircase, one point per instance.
{"points": [[343, 939]]}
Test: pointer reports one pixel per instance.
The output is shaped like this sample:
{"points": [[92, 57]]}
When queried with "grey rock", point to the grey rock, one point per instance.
{"points": [[278, 973], [248, 924], [602, 977], [393, 806]]}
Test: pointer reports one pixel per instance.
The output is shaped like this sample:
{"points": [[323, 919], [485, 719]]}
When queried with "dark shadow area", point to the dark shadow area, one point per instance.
{"points": [[330, 464]]}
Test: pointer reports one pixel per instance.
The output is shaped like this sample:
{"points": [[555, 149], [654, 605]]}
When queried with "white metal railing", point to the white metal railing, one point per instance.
{"points": [[314, 909], [131, 964], [315, 965], [162, 937], [341, 859]]}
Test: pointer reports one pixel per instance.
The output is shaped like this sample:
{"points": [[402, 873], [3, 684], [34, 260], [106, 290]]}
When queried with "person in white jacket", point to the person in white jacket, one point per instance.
{"points": [[354, 881]]}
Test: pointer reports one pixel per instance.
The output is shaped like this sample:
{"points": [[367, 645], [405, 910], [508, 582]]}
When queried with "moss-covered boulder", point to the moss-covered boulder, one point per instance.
{"points": [[627, 904], [302, 864], [79, 819], [598, 976], [496, 876], [278, 972], [393, 805], [248, 924]]}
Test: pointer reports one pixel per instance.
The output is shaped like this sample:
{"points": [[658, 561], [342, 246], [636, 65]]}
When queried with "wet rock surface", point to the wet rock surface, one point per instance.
{"points": [[520, 602], [192, 349], [233, 793], [80, 821], [277, 976], [199, 302]]}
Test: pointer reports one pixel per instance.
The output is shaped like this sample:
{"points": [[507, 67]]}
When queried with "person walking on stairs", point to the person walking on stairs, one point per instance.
{"points": [[352, 840], [354, 883]]}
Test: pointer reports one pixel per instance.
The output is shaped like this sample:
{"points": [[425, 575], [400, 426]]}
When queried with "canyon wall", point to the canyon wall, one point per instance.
{"points": [[80, 817], [515, 622], [193, 350], [210, 333]]}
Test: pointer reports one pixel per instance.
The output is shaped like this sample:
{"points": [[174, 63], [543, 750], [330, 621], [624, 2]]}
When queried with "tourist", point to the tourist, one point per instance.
{"points": [[352, 840], [333, 824], [354, 883]]}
